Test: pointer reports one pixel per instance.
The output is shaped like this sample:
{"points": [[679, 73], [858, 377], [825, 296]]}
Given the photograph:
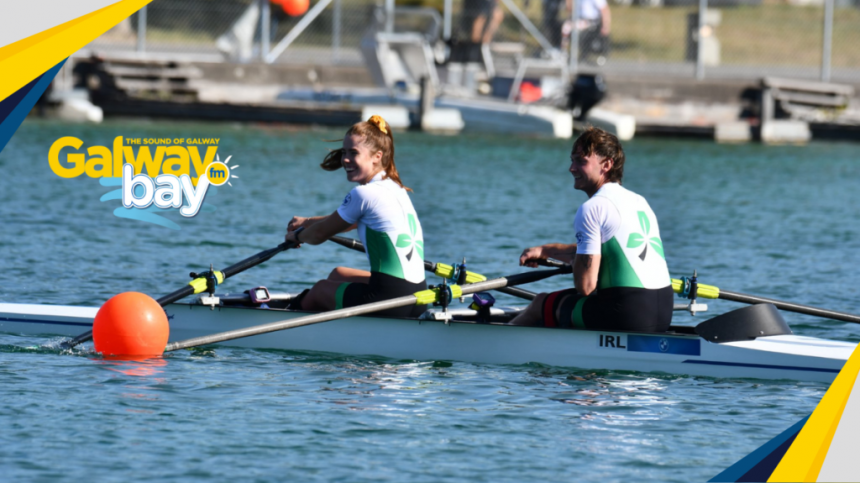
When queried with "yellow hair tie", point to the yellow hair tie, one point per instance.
{"points": [[379, 122]]}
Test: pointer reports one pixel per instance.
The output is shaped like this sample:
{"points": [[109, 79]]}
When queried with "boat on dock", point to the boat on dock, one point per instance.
{"points": [[751, 342]]}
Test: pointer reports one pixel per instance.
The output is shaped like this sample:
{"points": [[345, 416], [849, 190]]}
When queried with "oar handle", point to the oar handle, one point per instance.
{"points": [[432, 267], [423, 297], [348, 242], [551, 262]]}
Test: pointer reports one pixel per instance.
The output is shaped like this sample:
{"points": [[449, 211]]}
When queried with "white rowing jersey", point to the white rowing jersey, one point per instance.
{"points": [[620, 226], [388, 227]]}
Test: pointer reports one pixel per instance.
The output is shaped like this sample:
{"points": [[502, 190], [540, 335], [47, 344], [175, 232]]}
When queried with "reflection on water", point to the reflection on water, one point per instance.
{"points": [[139, 367]]}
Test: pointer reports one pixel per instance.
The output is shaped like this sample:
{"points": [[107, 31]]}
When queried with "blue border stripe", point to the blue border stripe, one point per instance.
{"points": [[10, 103], [764, 366], [37, 321], [16, 116], [740, 469]]}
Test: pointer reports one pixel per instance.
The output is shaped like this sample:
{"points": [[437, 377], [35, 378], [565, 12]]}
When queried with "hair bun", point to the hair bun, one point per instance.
{"points": [[379, 122]]}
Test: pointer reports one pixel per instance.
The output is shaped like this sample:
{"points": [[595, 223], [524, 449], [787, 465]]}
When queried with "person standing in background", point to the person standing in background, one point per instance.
{"points": [[593, 22]]}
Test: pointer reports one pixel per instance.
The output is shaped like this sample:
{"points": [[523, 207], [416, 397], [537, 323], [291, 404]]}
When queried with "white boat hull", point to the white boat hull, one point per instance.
{"points": [[775, 357]]}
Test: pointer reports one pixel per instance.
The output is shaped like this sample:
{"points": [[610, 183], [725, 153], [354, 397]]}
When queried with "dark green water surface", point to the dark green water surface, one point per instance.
{"points": [[780, 222]]}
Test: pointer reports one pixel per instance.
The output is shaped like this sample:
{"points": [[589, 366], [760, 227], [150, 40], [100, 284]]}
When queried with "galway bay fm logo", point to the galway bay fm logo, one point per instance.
{"points": [[167, 185]]}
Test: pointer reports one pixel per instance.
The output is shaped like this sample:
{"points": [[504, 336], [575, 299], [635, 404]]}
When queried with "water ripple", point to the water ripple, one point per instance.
{"points": [[749, 218]]}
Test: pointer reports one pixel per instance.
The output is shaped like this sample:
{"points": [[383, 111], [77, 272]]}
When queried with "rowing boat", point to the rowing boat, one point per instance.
{"points": [[752, 342]]}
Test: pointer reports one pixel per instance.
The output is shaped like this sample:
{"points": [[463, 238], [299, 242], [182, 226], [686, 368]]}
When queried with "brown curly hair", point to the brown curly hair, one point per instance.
{"points": [[606, 145]]}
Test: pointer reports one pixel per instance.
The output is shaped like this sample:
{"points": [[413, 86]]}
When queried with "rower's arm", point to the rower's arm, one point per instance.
{"points": [[559, 251], [321, 230], [585, 271], [298, 222]]}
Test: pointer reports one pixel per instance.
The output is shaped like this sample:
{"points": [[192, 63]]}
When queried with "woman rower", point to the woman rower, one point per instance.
{"points": [[387, 224]]}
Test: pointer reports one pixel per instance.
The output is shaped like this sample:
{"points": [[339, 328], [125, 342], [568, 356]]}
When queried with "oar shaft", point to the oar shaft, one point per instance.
{"points": [[292, 323], [551, 262], [790, 307], [709, 291], [517, 292], [163, 301], [174, 296], [78, 340], [430, 267], [189, 290], [255, 260], [355, 311]]}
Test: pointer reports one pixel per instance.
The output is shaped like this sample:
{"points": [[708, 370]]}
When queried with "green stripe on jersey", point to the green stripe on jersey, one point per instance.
{"points": [[615, 269], [382, 254]]}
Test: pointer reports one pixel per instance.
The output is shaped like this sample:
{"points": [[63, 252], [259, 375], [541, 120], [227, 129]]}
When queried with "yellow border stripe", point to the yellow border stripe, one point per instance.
{"points": [[803, 460], [25, 43], [28, 58]]}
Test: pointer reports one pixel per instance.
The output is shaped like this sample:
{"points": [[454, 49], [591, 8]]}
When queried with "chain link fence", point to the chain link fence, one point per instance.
{"points": [[846, 40], [739, 38]]}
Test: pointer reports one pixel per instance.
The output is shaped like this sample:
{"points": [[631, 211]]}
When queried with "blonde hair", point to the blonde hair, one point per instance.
{"points": [[377, 135]]}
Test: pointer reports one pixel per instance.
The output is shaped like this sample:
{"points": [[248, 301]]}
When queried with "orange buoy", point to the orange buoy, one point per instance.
{"points": [[294, 8], [131, 324]]}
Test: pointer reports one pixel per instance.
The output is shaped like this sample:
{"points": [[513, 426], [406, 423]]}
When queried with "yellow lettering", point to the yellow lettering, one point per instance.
{"points": [[101, 158], [76, 158], [200, 167], [177, 162], [117, 156], [144, 159]]}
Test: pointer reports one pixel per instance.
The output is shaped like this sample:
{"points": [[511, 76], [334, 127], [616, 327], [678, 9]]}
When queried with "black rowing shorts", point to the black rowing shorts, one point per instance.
{"points": [[381, 287], [617, 308]]}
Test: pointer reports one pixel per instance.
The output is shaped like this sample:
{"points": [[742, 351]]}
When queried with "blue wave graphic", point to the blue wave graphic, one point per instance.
{"points": [[146, 215], [151, 213]]}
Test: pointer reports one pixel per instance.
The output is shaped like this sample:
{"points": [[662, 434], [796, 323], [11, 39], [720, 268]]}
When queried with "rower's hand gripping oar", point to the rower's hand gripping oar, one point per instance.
{"points": [[201, 283], [712, 292], [423, 297], [440, 269]]}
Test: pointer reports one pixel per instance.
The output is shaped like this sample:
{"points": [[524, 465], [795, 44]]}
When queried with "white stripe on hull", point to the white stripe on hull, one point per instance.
{"points": [[777, 357]]}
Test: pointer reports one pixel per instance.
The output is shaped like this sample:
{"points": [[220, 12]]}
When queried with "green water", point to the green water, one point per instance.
{"points": [[780, 222]]}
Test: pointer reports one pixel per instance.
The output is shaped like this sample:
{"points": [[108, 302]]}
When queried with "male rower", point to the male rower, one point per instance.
{"points": [[619, 269]]}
